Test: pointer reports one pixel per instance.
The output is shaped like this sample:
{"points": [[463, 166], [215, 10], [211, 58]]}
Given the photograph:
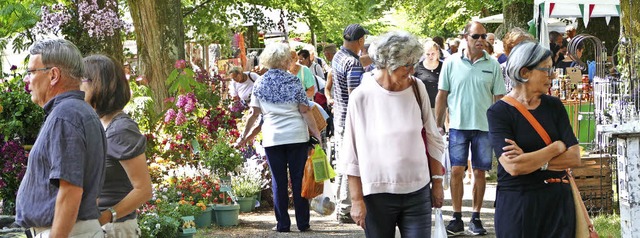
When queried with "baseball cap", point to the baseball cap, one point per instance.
{"points": [[354, 32]]}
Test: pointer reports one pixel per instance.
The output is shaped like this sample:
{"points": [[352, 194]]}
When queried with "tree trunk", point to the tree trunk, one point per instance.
{"points": [[517, 13], [160, 41], [628, 50]]}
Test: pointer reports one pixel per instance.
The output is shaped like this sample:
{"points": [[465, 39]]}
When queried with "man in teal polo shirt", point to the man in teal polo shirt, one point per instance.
{"points": [[470, 81]]}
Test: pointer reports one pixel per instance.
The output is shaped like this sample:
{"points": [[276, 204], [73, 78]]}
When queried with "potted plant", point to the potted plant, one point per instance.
{"points": [[222, 158], [197, 191], [226, 210], [246, 185], [158, 219]]}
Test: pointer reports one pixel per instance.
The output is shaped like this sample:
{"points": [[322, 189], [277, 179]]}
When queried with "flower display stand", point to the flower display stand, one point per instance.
{"points": [[227, 215], [246, 203], [204, 219]]}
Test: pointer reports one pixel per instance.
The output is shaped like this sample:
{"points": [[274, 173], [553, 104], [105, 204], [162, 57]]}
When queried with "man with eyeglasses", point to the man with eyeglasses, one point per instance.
{"points": [[469, 83], [65, 171]]}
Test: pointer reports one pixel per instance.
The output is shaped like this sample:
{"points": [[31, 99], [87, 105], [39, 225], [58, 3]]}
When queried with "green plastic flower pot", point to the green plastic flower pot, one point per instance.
{"points": [[204, 219], [246, 204], [227, 215]]}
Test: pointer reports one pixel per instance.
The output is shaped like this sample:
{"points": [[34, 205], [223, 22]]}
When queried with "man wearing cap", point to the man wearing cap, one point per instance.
{"points": [[470, 81], [346, 72]]}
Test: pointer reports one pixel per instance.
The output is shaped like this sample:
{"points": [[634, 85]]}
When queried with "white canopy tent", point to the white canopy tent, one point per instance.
{"points": [[553, 24], [544, 10]]}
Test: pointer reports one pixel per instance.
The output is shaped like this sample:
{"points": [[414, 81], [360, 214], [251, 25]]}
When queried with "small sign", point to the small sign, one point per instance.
{"points": [[188, 225]]}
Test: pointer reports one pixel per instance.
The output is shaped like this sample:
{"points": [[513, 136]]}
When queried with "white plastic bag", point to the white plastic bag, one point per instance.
{"points": [[440, 231], [447, 166]]}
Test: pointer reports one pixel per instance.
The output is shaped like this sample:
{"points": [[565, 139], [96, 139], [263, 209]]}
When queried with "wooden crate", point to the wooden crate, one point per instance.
{"points": [[594, 180]]}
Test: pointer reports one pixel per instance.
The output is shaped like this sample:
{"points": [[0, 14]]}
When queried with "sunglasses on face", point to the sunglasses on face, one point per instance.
{"points": [[477, 36], [549, 71]]}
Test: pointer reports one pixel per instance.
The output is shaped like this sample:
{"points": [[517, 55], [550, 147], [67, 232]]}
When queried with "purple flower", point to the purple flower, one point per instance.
{"points": [[180, 118], [169, 115], [182, 100], [13, 67]]}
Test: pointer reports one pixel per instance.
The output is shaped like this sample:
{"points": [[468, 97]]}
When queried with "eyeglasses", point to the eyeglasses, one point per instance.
{"points": [[549, 71], [476, 36], [28, 72]]}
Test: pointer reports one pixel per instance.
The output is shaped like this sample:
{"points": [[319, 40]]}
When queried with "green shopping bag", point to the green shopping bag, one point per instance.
{"points": [[321, 168]]}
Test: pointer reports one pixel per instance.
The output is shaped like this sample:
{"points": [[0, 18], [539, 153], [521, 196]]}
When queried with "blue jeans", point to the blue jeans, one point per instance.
{"points": [[295, 156], [459, 143], [410, 212]]}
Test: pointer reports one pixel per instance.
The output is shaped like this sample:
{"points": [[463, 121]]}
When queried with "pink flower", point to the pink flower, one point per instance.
{"points": [[179, 137], [180, 64], [182, 100], [169, 115], [180, 118]]}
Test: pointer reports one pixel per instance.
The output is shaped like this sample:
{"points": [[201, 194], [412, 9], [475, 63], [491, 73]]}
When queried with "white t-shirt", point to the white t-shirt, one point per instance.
{"points": [[243, 90], [382, 141], [283, 123]]}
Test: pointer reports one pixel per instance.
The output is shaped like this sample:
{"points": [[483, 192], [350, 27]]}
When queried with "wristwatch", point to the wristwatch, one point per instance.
{"points": [[114, 215]]}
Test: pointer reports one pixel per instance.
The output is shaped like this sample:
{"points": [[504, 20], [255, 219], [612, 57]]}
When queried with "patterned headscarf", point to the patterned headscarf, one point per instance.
{"points": [[279, 86]]}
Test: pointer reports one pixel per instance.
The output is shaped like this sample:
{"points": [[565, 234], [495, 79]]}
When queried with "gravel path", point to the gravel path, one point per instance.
{"points": [[259, 223]]}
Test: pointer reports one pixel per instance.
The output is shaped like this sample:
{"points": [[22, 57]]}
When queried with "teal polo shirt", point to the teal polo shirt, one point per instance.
{"points": [[471, 87]]}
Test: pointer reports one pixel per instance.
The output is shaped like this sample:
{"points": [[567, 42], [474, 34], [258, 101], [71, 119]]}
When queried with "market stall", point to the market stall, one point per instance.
{"points": [[544, 10]]}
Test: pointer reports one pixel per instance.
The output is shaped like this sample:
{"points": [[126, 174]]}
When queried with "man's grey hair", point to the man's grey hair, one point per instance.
{"points": [[235, 70], [525, 55], [60, 53], [395, 49], [276, 56]]}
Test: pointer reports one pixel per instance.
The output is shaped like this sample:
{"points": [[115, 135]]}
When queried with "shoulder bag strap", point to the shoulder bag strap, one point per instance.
{"points": [[416, 93], [545, 136], [532, 120]]}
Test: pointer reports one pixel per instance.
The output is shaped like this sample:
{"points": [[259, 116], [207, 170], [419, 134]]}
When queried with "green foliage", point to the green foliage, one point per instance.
{"points": [[447, 18], [19, 117], [160, 226], [221, 158], [140, 108], [607, 225], [249, 182], [17, 19]]}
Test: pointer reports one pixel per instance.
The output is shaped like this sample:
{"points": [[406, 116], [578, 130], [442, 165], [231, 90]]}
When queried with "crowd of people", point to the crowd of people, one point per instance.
{"points": [[391, 105]]}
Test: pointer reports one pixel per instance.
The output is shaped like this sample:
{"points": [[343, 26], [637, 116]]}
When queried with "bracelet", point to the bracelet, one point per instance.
{"points": [[437, 177], [114, 215], [544, 166]]}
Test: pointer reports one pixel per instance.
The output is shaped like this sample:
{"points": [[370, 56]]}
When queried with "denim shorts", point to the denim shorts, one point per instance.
{"points": [[481, 154]]}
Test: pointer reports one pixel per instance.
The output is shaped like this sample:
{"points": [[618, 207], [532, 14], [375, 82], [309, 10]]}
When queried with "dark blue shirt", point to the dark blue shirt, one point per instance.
{"points": [[505, 121], [347, 71], [71, 146]]}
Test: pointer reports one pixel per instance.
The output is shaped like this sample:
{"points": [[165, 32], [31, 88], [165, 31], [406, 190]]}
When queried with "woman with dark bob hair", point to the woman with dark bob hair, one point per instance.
{"points": [[127, 183], [392, 180], [534, 196]]}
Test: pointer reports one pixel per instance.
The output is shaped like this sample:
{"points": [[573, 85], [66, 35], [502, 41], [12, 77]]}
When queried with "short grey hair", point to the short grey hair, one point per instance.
{"points": [[60, 53], [525, 55], [395, 49], [235, 70], [276, 56]]}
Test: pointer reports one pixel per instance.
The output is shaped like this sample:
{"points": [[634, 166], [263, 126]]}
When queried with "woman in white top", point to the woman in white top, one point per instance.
{"points": [[389, 171], [279, 96]]}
